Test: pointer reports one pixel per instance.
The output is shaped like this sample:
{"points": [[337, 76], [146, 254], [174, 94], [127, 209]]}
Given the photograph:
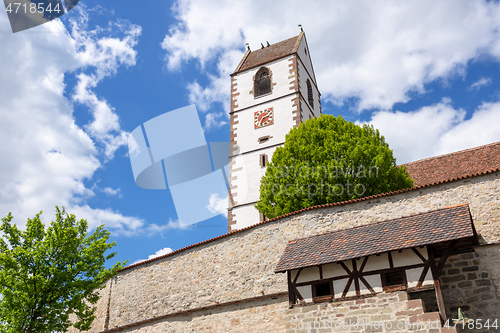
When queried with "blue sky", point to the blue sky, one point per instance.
{"points": [[426, 74]]}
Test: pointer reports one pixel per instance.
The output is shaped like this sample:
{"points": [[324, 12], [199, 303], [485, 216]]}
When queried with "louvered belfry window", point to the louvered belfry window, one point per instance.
{"points": [[262, 83], [310, 93]]}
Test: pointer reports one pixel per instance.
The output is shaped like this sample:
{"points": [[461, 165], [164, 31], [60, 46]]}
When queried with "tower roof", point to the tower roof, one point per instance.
{"points": [[270, 53]]}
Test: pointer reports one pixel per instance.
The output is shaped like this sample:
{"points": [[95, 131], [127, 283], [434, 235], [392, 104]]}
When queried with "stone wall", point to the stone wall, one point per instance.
{"points": [[384, 312], [266, 315], [470, 281], [241, 265]]}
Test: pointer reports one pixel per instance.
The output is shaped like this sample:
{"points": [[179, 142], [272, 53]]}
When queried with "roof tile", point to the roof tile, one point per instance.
{"points": [[416, 230], [455, 165]]}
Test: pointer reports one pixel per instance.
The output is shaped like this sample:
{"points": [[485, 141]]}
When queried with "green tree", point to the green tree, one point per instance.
{"points": [[50, 274], [328, 159]]}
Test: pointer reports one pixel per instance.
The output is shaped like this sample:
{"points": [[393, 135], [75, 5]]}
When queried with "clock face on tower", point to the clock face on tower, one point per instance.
{"points": [[263, 118]]}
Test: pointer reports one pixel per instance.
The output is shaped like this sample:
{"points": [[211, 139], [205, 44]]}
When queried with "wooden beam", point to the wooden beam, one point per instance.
{"points": [[355, 277], [363, 264], [422, 276], [385, 270], [445, 255], [297, 276], [419, 254], [366, 284], [347, 286], [391, 264], [291, 294], [437, 285], [345, 267], [320, 272], [324, 280], [298, 294]]}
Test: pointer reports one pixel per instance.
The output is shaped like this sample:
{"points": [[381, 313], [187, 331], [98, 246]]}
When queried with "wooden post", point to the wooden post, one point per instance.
{"points": [[437, 286], [355, 274], [291, 295]]}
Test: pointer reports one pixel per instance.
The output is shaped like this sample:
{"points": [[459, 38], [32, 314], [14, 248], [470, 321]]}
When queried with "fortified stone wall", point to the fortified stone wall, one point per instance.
{"points": [[385, 312], [241, 265], [471, 281]]}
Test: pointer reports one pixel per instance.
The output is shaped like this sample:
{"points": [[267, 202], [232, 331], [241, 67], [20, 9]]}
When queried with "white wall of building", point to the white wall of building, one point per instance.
{"points": [[283, 121], [280, 83]]}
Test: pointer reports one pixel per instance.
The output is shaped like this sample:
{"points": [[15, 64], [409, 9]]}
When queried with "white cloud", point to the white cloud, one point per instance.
{"points": [[114, 221], [484, 81], [212, 122], [159, 253], [47, 159], [377, 51], [155, 229], [217, 205], [165, 250], [437, 129], [104, 55], [112, 191], [482, 128]]}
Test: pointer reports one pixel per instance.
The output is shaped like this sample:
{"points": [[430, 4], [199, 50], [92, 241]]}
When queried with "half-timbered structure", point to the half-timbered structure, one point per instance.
{"points": [[407, 254]]}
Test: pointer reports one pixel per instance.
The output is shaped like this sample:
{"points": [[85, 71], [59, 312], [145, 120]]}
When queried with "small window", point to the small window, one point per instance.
{"points": [[322, 289], [310, 97], [394, 280], [264, 139], [262, 84], [263, 160], [322, 292]]}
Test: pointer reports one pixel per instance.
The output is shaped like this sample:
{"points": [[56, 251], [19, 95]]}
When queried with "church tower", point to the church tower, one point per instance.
{"points": [[273, 89]]}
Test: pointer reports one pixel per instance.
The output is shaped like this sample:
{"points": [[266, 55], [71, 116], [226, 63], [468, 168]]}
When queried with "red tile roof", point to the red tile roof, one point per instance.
{"points": [[455, 165], [433, 227], [269, 53]]}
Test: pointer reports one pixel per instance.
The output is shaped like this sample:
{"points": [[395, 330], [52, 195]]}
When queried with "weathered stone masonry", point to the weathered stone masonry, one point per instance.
{"points": [[240, 266]]}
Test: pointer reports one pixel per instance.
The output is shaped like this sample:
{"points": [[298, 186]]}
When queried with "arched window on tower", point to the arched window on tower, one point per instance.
{"points": [[262, 83], [310, 93]]}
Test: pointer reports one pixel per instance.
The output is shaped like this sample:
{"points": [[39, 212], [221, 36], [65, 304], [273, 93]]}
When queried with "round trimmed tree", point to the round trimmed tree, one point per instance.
{"points": [[325, 160]]}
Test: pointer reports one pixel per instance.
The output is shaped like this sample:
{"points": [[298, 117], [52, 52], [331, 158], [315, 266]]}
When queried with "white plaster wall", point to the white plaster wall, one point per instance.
{"points": [[248, 135], [293, 274], [333, 270], [308, 274], [280, 76], [250, 175], [306, 292], [247, 215], [405, 258], [412, 276], [339, 286], [348, 264], [375, 282], [376, 262]]}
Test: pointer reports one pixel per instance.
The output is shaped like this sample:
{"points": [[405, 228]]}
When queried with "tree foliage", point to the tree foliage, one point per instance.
{"points": [[328, 159], [48, 275]]}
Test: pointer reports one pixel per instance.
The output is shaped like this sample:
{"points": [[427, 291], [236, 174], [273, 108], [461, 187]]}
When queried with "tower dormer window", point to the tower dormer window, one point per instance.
{"points": [[262, 84], [310, 93]]}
